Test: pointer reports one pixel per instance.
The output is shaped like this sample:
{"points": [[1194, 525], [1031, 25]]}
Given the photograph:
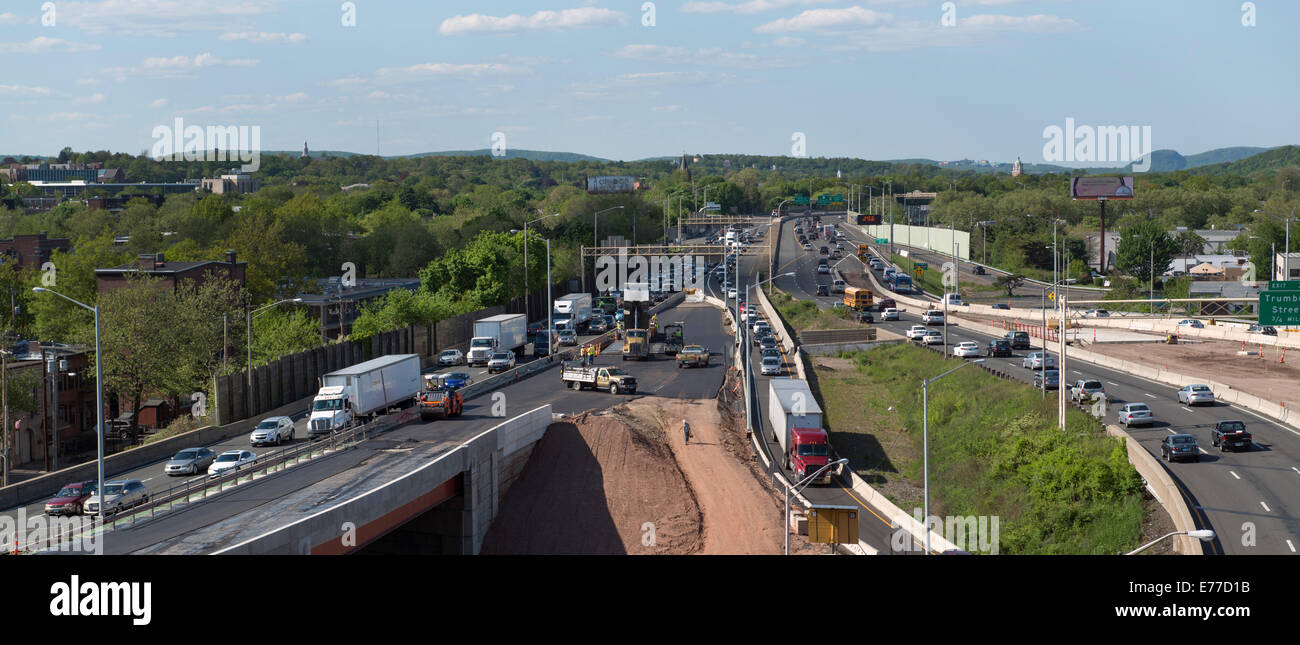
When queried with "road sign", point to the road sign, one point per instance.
{"points": [[1051, 295], [1284, 285], [922, 265], [882, 240], [919, 270], [801, 200], [1279, 308], [823, 200]]}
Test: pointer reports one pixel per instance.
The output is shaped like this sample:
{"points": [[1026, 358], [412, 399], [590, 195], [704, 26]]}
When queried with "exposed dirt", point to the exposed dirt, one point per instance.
{"points": [[1157, 523], [1217, 360]]}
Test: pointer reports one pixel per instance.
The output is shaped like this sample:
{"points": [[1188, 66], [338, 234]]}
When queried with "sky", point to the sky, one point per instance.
{"points": [[873, 79]]}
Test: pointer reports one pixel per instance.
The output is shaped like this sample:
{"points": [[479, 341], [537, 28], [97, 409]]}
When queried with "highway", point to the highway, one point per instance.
{"points": [[1239, 495]]}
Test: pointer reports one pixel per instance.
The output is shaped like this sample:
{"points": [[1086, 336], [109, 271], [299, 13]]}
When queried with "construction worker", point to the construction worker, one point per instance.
{"points": [[686, 428]]}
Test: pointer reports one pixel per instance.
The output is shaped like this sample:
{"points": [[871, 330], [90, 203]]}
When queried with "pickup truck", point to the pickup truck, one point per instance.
{"points": [[692, 356], [598, 377], [1231, 434]]}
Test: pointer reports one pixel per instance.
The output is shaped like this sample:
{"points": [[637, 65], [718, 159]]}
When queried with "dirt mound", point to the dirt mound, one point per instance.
{"points": [[598, 485]]}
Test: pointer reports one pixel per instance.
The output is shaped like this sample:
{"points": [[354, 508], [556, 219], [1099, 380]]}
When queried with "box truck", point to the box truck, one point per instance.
{"points": [[503, 333], [572, 311], [797, 425], [364, 390]]}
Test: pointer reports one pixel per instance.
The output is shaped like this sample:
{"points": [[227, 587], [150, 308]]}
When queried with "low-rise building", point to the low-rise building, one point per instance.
{"points": [[338, 306], [171, 273], [32, 251]]}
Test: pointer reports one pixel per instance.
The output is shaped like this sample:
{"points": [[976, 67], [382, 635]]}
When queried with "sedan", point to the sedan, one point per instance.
{"points": [[230, 461], [771, 367], [272, 430], [933, 337], [866, 317], [1179, 447], [1035, 361], [1131, 414], [452, 357], [772, 352], [567, 337], [1192, 324], [598, 325], [966, 349], [118, 495], [1196, 394], [889, 313], [1262, 329], [455, 380], [807, 246], [1053, 379], [190, 461], [501, 361], [823, 290], [915, 332], [1096, 313], [1002, 305], [999, 347], [731, 293], [69, 499], [769, 343]]}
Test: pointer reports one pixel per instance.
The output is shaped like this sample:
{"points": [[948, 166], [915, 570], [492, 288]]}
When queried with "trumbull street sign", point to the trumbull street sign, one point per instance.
{"points": [[1280, 308]]}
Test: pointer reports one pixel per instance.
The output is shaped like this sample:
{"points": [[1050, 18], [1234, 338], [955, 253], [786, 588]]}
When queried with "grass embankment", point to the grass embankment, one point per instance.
{"points": [[995, 450], [803, 315]]}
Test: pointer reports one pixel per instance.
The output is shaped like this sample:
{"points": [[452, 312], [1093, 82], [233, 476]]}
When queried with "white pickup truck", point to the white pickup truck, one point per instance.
{"points": [[598, 377]]}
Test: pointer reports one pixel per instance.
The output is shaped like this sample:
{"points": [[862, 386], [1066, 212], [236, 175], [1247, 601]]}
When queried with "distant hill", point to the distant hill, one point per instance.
{"points": [[1166, 160], [1265, 161], [1223, 155], [511, 153]]}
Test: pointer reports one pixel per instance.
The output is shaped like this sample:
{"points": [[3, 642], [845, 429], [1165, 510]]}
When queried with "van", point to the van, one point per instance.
{"points": [[953, 299], [837, 286]]}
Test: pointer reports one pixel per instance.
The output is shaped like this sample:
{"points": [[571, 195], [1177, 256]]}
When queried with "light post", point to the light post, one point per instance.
{"points": [[984, 232], [925, 441], [248, 398], [798, 487], [1204, 535], [595, 238], [526, 292], [99, 397]]}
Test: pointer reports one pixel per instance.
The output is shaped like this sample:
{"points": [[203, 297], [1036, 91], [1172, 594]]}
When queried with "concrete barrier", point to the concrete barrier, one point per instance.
{"points": [[896, 515], [1163, 487]]}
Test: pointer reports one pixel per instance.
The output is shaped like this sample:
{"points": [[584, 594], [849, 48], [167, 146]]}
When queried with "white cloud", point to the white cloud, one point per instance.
{"points": [[265, 37], [24, 91], [825, 19], [973, 30], [347, 81], [296, 97], [89, 81], [160, 103], [565, 19], [789, 41], [45, 45], [667, 54], [666, 108], [9, 19], [749, 6], [445, 70], [176, 66], [93, 98], [160, 18]]}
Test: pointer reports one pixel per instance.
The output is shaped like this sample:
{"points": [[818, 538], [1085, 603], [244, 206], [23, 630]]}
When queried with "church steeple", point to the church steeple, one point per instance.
{"points": [[305, 153], [1018, 169]]}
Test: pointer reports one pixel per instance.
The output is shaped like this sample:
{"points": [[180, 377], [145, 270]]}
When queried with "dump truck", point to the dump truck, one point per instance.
{"points": [[503, 333], [636, 344], [597, 377], [438, 400], [797, 425], [363, 390], [674, 337], [693, 356]]}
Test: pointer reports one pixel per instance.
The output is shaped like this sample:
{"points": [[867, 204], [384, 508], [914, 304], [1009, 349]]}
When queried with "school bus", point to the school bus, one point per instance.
{"points": [[857, 299], [863, 254]]}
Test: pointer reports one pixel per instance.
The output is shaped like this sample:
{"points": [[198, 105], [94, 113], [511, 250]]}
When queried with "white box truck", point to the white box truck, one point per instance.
{"points": [[503, 333], [797, 426], [571, 311], [363, 390]]}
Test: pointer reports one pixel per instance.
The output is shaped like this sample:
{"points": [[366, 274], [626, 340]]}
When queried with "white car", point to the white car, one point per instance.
{"points": [[231, 460], [731, 293], [966, 349], [823, 268], [760, 326], [933, 337], [932, 317], [1195, 394], [890, 313], [501, 361], [451, 357], [916, 331], [272, 430], [1193, 324], [771, 366], [807, 246], [1096, 313]]}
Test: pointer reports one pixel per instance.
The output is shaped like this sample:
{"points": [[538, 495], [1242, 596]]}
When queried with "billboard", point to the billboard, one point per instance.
{"points": [[1101, 188], [610, 185], [871, 219]]}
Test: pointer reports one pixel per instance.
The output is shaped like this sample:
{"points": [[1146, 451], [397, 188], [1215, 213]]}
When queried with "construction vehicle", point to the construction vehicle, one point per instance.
{"points": [[673, 338], [693, 356], [597, 377], [636, 344], [438, 400]]}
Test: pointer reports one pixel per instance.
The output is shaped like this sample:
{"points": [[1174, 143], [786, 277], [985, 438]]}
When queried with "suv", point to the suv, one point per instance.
{"points": [[887, 303], [932, 317], [272, 430], [1177, 447], [1085, 389], [1019, 339], [1231, 434]]}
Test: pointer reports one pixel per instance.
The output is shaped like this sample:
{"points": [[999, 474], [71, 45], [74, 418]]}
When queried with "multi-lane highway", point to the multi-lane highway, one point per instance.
{"points": [[1247, 498]]}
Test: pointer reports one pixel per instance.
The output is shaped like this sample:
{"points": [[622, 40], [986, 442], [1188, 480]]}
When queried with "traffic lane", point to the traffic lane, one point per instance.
{"points": [[1024, 293], [1231, 488]]}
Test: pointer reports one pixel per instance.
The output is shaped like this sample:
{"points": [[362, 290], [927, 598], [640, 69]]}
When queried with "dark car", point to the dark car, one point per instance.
{"points": [[999, 347], [69, 499], [823, 290], [1018, 339], [1231, 434], [1262, 329], [979, 270], [1002, 305], [887, 303], [1053, 377], [1179, 447], [866, 317]]}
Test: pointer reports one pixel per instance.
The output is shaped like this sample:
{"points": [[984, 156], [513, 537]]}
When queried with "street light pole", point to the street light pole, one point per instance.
{"points": [[925, 442]]}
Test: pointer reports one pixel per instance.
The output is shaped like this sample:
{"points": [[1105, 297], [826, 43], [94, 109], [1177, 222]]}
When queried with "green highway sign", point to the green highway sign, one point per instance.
{"points": [[800, 199], [1279, 308], [882, 240], [922, 265], [837, 199], [1284, 285], [823, 200]]}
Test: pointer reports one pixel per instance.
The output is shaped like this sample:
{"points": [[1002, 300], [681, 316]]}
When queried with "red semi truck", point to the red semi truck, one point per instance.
{"points": [[797, 425]]}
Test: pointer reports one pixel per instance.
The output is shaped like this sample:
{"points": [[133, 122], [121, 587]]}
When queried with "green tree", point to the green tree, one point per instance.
{"points": [[281, 333], [141, 343], [1011, 282], [56, 318], [1141, 243]]}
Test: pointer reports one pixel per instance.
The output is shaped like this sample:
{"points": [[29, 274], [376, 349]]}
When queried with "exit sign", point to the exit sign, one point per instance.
{"points": [[882, 240], [1284, 285]]}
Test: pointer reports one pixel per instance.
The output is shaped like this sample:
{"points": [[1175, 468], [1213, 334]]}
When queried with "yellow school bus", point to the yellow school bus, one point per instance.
{"points": [[857, 299]]}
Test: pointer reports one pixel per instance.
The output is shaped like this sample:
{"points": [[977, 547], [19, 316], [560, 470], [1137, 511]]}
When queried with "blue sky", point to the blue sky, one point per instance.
{"points": [[876, 79]]}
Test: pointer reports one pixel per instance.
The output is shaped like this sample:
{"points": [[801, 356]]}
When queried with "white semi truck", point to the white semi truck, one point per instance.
{"points": [[572, 311], [363, 390], [503, 333]]}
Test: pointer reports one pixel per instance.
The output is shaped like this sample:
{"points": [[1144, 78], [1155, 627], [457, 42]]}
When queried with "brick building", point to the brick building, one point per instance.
{"points": [[172, 273], [31, 251]]}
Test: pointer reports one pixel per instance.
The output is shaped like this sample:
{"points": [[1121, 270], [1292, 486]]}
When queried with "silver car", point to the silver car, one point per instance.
{"points": [[1131, 414], [1035, 360], [933, 337], [118, 495], [1196, 394], [230, 461], [501, 361], [272, 430], [771, 366], [451, 357], [190, 461]]}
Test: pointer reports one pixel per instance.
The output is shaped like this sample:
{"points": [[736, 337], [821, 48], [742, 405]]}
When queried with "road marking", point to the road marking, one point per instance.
{"points": [[1171, 431], [1295, 469], [145, 480], [1206, 453], [1266, 508], [1290, 546], [1116, 384], [1146, 393], [1230, 472]]}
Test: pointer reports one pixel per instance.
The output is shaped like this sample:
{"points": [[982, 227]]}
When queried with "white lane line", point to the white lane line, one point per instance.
{"points": [[1290, 546], [1076, 372], [1295, 469], [1266, 508], [1171, 431], [1230, 472], [1203, 452], [1113, 383], [1149, 394], [145, 480]]}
